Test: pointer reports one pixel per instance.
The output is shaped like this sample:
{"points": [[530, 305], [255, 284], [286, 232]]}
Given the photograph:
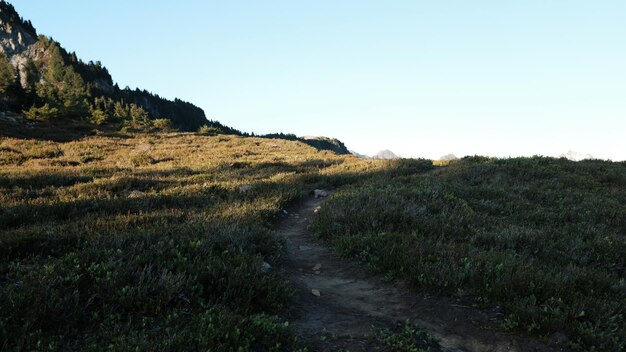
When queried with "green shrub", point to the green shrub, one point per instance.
{"points": [[43, 113], [141, 159], [208, 130], [163, 124], [406, 337], [43, 152], [99, 117]]}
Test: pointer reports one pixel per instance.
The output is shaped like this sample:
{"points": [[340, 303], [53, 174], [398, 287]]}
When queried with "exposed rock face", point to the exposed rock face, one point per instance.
{"points": [[385, 154], [15, 33], [17, 41], [29, 54], [320, 193]]}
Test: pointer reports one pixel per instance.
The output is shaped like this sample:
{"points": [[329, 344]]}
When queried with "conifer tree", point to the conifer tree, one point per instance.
{"points": [[8, 84], [138, 115], [7, 75], [63, 87]]}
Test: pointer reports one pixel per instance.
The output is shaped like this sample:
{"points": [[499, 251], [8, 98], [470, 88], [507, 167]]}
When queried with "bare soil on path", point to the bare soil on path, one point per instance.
{"points": [[338, 303]]}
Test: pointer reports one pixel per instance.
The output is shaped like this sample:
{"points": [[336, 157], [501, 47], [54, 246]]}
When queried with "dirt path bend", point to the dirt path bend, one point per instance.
{"points": [[352, 302]]}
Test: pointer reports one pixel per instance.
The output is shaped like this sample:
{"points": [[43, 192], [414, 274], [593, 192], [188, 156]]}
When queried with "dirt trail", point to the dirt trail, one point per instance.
{"points": [[352, 302]]}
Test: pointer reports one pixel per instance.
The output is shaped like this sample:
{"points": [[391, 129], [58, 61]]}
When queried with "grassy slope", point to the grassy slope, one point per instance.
{"points": [[543, 238], [146, 241]]}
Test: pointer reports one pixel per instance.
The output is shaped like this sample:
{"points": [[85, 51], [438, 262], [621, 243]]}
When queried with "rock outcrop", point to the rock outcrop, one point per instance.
{"points": [[15, 34], [385, 154], [31, 55]]}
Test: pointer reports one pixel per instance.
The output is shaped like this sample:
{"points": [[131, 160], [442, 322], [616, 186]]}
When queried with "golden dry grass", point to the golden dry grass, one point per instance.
{"points": [[113, 240]]}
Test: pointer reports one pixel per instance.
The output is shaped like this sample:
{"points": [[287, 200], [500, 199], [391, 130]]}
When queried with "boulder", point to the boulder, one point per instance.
{"points": [[245, 188], [320, 193]]}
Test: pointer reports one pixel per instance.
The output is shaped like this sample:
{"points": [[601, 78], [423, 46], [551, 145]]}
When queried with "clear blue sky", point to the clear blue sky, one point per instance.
{"points": [[422, 78]]}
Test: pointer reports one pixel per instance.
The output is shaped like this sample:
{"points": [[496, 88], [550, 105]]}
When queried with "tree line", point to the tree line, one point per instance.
{"points": [[54, 84]]}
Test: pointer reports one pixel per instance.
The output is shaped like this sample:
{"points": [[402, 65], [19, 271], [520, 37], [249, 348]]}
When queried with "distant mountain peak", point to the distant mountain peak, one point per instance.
{"points": [[575, 156], [385, 154], [448, 157]]}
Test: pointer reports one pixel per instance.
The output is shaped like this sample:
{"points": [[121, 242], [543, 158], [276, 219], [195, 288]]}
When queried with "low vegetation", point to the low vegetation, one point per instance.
{"points": [[158, 241], [150, 242], [406, 337], [543, 238]]}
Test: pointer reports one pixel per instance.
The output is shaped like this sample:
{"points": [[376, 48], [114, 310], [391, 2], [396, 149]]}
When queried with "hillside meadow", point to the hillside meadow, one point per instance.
{"points": [[151, 241], [136, 241]]}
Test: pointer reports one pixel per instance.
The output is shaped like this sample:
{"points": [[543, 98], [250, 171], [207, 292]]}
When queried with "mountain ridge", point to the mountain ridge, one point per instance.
{"points": [[43, 81], [39, 76]]}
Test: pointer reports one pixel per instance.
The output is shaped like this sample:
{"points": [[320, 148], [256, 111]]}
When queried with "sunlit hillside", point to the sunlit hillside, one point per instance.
{"points": [[149, 241]]}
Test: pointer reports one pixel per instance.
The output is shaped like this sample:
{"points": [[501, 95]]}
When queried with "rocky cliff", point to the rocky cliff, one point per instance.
{"points": [[15, 33], [41, 67]]}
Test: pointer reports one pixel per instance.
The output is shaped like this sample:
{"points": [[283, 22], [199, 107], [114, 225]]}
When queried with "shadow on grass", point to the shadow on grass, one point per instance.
{"points": [[63, 130]]}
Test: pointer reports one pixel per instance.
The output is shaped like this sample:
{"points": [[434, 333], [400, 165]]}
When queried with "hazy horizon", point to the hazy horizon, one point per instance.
{"points": [[420, 79]]}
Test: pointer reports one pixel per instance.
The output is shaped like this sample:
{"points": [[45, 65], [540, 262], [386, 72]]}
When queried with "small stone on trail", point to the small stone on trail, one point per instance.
{"points": [[317, 272], [266, 266], [285, 212], [245, 188], [558, 338], [320, 193], [317, 209], [316, 292], [317, 267]]}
